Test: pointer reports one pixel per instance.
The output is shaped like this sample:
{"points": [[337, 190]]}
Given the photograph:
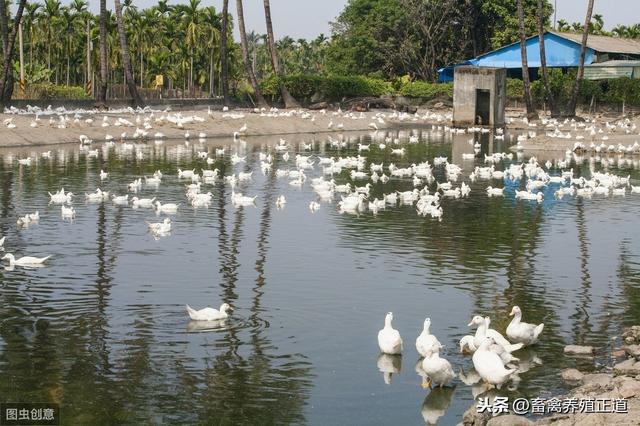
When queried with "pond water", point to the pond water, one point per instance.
{"points": [[103, 331]]}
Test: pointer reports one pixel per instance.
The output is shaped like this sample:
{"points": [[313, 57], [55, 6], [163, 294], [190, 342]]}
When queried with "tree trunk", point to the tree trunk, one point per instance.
{"points": [[212, 75], [289, 101], [223, 52], [8, 43], [571, 108], [126, 58], [68, 59], [531, 109], [102, 90], [543, 61], [261, 102]]}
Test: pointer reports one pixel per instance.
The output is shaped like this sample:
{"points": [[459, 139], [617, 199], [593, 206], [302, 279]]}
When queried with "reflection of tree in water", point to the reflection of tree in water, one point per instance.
{"points": [[101, 379], [629, 282], [582, 327]]}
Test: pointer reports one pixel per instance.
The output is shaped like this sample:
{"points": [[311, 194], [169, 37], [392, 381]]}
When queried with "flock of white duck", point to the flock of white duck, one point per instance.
{"points": [[493, 358], [492, 355]]}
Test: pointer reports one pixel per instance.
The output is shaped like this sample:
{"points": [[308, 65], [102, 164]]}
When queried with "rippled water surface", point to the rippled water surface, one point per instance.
{"points": [[103, 331]]}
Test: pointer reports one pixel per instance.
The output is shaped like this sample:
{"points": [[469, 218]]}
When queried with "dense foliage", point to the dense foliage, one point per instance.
{"points": [[389, 38], [385, 46]]}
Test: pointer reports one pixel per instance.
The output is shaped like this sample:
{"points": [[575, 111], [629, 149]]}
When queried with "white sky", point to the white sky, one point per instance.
{"points": [[309, 18]]}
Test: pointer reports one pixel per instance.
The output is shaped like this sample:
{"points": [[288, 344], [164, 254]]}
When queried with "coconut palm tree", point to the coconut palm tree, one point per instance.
{"points": [[8, 44], [51, 12], [126, 60], [213, 26], [224, 53], [102, 89], [289, 101], [571, 109], [531, 109], [260, 101], [191, 15], [31, 16]]}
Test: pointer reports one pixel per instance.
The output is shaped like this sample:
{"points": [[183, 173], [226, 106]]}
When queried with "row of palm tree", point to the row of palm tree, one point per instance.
{"points": [[190, 45]]}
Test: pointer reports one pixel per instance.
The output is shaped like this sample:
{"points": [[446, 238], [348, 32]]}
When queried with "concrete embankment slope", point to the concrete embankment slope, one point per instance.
{"points": [[217, 124]]}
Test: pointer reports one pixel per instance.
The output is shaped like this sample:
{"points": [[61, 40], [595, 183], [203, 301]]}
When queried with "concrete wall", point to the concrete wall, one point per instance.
{"points": [[465, 83]]}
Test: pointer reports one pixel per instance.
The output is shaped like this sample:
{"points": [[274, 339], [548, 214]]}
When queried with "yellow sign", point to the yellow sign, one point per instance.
{"points": [[159, 81]]}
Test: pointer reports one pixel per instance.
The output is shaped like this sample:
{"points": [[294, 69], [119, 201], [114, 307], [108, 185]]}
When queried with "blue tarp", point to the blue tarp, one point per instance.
{"points": [[560, 52]]}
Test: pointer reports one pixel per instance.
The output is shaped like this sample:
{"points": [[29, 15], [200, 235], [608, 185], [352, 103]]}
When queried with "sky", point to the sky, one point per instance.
{"points": [[309, 18]]}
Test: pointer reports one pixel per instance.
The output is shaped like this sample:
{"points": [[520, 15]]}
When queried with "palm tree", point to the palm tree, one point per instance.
{"points": [[191, 15], [571, 109], [212, 20], [543, 59], [289, 101], [260, 101], [102, 90], [531, 109], [32, 10], [8, 43], [223, 52], [51, 15], [68, 20], [126, 61]]}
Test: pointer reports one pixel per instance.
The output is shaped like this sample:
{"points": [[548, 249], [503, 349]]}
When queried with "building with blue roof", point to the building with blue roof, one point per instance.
{"points": [[562, 51]]}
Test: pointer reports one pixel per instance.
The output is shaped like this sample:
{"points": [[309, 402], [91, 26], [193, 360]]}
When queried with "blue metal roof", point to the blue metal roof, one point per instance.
{"points": [[560, 52]]}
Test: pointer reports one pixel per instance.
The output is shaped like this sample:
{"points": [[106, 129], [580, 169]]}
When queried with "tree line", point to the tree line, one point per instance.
{"points": [[192, 46]]}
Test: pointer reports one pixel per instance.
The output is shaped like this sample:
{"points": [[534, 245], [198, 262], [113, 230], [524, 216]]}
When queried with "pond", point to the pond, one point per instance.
{"points": [[103, 331]]}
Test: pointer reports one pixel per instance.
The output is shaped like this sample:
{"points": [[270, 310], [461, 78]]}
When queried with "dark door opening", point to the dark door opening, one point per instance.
{"points": [[483, 106]]}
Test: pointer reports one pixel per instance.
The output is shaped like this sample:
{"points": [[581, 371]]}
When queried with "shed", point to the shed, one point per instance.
{"points": [[612, 69], [562, 51], [479, 96]]}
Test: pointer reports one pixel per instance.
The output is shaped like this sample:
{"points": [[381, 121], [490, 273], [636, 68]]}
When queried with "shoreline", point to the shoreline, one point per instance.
{"points": [[215, 125], [619, 381]]}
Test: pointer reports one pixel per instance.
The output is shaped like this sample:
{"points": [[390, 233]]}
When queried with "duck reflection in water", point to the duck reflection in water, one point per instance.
{"points": [[389, 365], [204, 326], [436, 404], [528, 359], [472, 378]]}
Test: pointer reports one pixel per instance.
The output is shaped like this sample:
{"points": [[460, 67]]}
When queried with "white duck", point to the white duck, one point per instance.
{"points": [[489, 365], [438, 369], [522, 332], [61, 197], [25, 261], [166, 208], [68, 212], [209, 314], [426, 341], [389, 339], [120, 199], [142, 202], [467, 345], [484, 331], [163, 227]]}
